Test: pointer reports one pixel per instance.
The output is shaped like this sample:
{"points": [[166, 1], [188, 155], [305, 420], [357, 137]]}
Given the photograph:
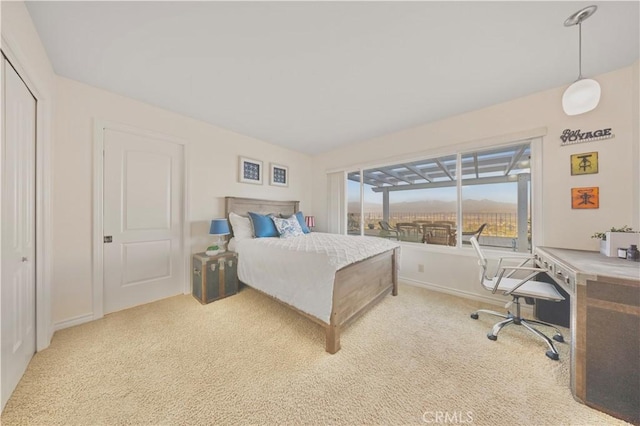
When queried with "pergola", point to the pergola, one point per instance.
{"points": [[500, 165]]}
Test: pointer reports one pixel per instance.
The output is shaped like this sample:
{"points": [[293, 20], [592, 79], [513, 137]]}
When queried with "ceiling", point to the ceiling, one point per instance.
{"points": [[313, 76]]}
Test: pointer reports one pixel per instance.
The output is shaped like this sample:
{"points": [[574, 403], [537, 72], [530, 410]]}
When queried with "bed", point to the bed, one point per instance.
{"points": [[354, 289]]}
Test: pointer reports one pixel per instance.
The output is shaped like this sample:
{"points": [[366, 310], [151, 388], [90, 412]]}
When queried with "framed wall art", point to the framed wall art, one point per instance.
{"points": [[250, 171], [584, 164], [585, 198], [279, 175]]}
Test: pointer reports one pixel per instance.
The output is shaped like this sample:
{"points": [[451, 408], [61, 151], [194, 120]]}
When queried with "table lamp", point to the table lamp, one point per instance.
{"points": [[218, 227], [310, 221]]}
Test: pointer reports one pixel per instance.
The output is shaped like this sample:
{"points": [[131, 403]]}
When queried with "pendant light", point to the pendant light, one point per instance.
{"points": [[584, 94]]}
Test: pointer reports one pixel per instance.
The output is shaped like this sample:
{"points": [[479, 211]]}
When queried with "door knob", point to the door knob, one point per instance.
{"points": [[24, 259]]}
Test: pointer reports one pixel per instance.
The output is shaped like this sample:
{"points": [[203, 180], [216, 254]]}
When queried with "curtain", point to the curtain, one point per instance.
{"points": [[336, 203]]}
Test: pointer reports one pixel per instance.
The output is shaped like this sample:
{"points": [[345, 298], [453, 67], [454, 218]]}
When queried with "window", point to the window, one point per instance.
{"points": [[414, 201], [353, 203], [496, 194], [417, 201]]}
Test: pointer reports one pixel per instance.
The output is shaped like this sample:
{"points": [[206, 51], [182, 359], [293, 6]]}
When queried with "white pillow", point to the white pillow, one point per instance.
{"points": [[232, 244], [289, 227], [241, 226]]}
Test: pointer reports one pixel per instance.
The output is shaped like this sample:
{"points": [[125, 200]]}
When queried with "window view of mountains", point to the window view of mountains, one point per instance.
{"points": [[437, 206]]}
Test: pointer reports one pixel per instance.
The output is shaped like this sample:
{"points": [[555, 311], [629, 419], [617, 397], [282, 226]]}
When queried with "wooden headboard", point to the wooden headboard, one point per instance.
{"points": [[243, 206]]}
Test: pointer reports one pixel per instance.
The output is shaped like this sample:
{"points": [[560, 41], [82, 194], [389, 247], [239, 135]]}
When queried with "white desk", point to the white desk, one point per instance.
{"points": [[605, 327]]}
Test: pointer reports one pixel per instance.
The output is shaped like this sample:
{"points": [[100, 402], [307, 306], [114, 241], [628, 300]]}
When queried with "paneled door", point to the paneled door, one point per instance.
{"points": [[142, 219], [18, 226]]}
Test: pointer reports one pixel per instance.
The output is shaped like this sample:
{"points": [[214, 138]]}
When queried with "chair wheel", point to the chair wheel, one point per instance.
{"points": [[491, 337], [554, 356], [558, 338], [474, 316]]}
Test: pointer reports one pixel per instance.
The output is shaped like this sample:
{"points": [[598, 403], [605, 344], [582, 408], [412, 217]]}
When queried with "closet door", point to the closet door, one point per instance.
{"points": [[18, 227]]}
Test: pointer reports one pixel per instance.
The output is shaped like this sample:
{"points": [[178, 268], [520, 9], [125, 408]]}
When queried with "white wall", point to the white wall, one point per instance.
{"points": [[562, 226], [213, 174]]}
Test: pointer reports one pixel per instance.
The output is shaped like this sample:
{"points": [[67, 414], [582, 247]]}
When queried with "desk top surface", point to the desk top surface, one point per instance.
{"points": [[594, 263]]}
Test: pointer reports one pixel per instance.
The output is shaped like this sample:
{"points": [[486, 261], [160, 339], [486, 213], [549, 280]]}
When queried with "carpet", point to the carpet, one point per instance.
{"points": [[413, 359]]}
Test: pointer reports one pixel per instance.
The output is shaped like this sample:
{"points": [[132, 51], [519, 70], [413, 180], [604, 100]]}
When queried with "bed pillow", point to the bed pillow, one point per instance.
{"points": [[241, 226], [302, 223], [288, 228], [263, 225]]}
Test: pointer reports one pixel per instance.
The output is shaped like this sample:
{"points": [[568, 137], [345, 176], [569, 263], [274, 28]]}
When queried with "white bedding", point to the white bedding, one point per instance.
{"points": [[300, 271]]}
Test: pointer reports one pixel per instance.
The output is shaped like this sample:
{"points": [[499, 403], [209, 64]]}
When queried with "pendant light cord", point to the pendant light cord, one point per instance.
{"points": [[580, 50]]}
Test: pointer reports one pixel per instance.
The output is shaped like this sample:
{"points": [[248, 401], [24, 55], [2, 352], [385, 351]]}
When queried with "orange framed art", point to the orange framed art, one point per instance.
{"points": [[585, 198]]}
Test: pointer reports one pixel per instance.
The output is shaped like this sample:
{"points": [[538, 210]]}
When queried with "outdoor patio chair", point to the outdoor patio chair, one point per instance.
{"points": [[421, 223], [387, 230], [406, 229], [438, 234], [353, 225]]}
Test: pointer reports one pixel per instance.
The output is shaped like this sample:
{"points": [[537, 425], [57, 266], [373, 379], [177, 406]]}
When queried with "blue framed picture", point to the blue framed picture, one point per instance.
{"points": [[250, 171], [279, 175]]}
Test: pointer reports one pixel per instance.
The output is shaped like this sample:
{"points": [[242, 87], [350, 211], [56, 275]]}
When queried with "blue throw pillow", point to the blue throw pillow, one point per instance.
{"points": [[302, 223], [263, 226]]}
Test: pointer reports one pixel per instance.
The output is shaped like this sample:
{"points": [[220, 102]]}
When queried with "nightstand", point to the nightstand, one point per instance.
{"points": [[214, 277]]}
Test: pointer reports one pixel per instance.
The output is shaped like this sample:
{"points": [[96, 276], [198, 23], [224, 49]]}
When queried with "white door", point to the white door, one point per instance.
{"points": [[18, 227], [142, 216]]}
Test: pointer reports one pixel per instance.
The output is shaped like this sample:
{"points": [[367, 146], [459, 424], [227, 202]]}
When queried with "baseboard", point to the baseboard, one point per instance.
{"points": [[526, 309], [80, 319]]}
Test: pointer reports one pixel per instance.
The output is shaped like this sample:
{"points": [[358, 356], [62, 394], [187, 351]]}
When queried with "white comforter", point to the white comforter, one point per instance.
{"points": [[300, 271]]}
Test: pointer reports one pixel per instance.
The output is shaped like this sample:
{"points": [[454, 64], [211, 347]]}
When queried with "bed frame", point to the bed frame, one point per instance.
{"points": [[357, 287]]}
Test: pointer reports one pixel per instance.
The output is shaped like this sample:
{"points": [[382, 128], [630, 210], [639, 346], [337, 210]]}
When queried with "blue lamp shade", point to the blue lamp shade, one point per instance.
{"points": [[219, 227]]}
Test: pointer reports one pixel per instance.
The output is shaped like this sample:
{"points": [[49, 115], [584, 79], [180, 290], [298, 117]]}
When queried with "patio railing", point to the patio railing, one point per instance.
{"points": [[498, 224]]}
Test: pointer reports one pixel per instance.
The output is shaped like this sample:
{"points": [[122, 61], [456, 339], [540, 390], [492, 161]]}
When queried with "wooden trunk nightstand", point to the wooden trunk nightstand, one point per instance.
{"points": [[214, 277]]}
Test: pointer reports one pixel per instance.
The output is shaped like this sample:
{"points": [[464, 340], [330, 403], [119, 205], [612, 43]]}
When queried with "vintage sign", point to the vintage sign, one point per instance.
{"points": [[584, 164], [569, 136], [585, 198]]}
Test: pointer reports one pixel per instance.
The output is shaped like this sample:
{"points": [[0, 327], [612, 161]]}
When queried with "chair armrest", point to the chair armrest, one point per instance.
{"points": [[525, 268], [524, 261], [535, 271], [515, 269]]}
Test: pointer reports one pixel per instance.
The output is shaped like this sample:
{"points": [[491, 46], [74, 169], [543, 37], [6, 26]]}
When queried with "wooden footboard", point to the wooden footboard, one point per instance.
{"points": [[358, 287]]}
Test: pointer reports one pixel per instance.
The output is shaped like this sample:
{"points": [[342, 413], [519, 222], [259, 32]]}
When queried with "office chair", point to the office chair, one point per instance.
{"points": [[517, 288]]}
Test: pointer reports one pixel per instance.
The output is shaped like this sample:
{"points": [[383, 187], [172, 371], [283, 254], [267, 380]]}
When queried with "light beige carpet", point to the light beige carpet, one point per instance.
{"points": [[413, 359]]}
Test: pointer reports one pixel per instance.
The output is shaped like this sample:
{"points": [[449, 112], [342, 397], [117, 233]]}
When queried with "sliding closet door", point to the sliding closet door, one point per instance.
{"points": [[18, 227]]}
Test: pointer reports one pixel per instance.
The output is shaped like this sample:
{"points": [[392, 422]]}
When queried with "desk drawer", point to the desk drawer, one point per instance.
{"points": [[561, 275]]}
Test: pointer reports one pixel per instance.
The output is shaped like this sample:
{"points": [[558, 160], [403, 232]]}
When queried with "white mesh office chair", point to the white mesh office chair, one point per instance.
{"points": [[517, 288]]}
